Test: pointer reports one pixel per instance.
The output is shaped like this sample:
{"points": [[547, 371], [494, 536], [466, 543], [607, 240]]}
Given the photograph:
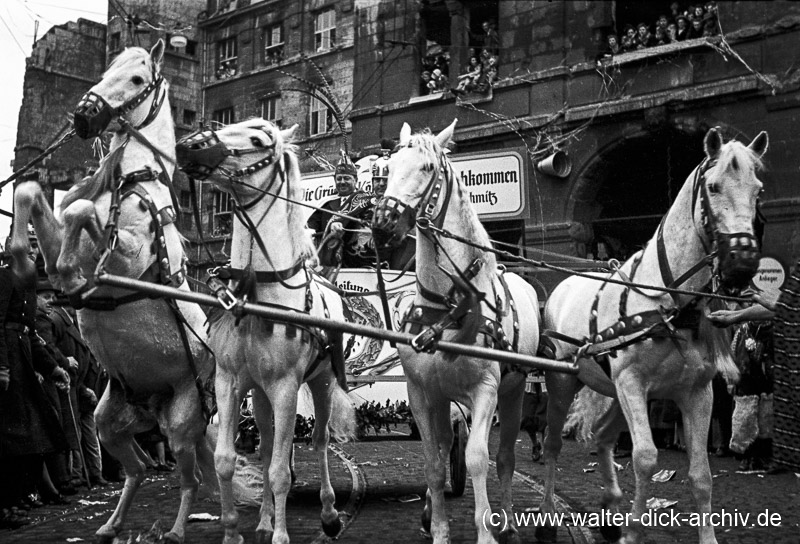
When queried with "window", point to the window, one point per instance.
{"points": [[325, 30], [191, 48], [227, 56], [115, 42], [321, 117], [222, 214], [189, 117], [273, 44], [271, 109], [223, 116]]}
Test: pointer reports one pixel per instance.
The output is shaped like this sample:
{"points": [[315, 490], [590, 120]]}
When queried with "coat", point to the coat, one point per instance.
{"points": [[29, 422]]}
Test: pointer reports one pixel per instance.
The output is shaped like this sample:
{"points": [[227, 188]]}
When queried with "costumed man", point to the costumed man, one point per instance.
{"points": [[67, 338], [335, 236], [397, 256]]}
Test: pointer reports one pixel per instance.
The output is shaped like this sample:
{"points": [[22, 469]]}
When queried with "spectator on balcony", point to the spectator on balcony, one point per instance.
{"points": [[491, 39], [613, 47], [675, 9], [469, 79], [672, 33], [683, 28], [698, 12], [629, 39], [662, 22], [644, 36], [696, 30], [660, 37], [438, 82]]}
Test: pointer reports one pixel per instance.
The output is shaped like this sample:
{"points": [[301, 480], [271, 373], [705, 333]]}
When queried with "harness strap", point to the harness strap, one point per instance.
{"points": [[180, 321], [262, 276]]}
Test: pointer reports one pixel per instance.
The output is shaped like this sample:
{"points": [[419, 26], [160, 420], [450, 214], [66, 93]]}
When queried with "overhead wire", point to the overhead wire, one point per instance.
{"points": [[16, 41]]}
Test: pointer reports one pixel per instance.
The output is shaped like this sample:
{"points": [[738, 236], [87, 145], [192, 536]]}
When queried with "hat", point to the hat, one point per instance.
{"points": [[43, 284], [380, 168], [346, 166], [387, 146]]}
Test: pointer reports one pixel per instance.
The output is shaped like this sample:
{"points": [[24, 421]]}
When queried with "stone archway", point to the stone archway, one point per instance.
{"points": [[625, 189]]}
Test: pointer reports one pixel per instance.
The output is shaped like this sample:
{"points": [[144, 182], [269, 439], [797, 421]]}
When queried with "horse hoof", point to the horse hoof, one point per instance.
{"points": [[333, 528], [612, 533], [173, 538], [509, 537], [105, 535], [546, 534], [263, 536], [425, 519]]}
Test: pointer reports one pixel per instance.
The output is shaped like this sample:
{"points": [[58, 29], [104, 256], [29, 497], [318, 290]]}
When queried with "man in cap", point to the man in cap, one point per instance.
{"points": [[63, 332], [334, 236]]}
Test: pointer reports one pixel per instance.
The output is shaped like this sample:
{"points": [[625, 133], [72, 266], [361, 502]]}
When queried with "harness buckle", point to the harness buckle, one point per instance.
{"points": [[221, 291], [425, 339]]}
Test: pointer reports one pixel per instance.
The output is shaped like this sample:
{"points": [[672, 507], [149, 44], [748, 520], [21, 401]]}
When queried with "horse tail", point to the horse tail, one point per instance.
{"points": [[718, 344], [342, 423], [587, 409]]}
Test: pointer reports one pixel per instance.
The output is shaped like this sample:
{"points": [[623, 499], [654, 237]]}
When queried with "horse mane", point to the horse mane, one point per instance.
{"points": [[102, 181], [302, 244]]}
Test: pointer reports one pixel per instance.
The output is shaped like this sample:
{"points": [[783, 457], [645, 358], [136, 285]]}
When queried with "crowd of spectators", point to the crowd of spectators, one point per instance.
{"points": [[50, 383], [696, 21], [478, 75]]}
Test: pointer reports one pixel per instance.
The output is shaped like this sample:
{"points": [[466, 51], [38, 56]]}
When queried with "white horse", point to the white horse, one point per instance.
{"points": [[153, 350], [712, 216], [269, 252], [462, 289]]}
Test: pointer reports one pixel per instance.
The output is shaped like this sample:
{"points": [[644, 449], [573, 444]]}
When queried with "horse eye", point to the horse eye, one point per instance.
{"points": [[137, 80], [256, 142], [712, 188]]}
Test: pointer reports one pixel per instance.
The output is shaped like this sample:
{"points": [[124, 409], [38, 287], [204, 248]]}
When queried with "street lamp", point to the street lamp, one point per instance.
{"points": [[178, 40]]}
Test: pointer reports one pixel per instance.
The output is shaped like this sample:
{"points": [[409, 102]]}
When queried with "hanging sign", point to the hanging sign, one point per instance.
{"points": [[495, 183]]}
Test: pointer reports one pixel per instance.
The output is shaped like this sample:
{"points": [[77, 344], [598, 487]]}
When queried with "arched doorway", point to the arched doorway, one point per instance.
{"points": [[625, 190]]}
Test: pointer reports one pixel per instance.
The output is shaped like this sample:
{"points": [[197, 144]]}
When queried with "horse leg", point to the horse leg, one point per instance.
{"points": [[606, 432], [561, 390], [229, 398], [322, 389], [510, 412], [645, 455], [78, 216], [117, 421], [484, 401], [696, 409], [262, 412], [209, 484], [432, 416], [182, 420], [283, 395], [30, 204]]}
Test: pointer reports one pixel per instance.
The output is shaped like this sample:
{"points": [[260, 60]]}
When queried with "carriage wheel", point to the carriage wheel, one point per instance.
{"points": [[458, 459]]}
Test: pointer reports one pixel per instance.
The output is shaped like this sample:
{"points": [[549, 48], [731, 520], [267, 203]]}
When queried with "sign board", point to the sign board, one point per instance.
{"points": [[770, 275], [495, 183]]}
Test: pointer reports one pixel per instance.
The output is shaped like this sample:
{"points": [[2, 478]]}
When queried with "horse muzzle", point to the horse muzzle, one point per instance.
{"points": [[739, 256], [391, 221], [92, 116], [200, 153]]}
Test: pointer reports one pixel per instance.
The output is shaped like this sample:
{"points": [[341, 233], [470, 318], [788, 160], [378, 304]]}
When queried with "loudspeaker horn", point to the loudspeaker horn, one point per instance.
{"points": [[558, 164]]}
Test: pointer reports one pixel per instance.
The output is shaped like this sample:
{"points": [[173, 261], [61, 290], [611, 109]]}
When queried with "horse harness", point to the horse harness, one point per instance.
{"points": [[427, 323]]}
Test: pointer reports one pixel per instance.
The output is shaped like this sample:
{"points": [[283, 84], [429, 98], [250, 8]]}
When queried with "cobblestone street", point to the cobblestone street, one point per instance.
{"points": [[387, 477]]}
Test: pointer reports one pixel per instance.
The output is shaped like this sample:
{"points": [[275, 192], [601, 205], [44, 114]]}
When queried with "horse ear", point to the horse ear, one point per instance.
{"points": [[713, 143], [759, 144], [405, 134], [447, 134], [157, 52], [288, 134]]}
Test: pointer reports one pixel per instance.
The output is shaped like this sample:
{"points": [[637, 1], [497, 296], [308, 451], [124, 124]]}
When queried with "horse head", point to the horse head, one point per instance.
{"points": [[729, 191], [414, 184], [132, 89], [222, 157]]}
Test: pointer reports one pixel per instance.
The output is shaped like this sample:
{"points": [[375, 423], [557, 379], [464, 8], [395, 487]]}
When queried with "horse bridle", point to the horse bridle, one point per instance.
{"points": [[391, 211], [715, 242], [94, 113]]}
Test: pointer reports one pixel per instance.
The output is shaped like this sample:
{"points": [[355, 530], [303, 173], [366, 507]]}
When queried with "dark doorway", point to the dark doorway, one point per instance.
{"points": [[634, 185]]}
